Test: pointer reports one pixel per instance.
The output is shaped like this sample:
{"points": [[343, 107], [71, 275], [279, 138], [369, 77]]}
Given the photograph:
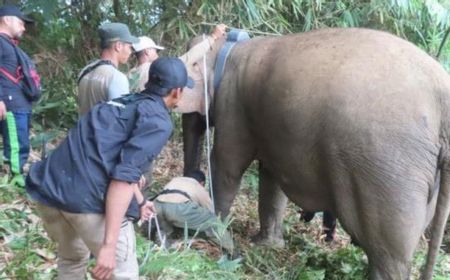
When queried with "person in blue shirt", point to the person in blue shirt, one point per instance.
{"points": [[87, 190], [15, 105]]}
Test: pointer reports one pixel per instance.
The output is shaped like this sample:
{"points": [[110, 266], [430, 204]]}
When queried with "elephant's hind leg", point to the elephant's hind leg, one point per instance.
{"points": [[388, 234], [271, 207], [390, 238], [387, 267], [194, 126]]}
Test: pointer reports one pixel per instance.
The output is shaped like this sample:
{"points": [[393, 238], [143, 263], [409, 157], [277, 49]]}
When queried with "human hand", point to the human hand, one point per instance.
{"points": [[147, 210], [106, 263], [2, 111], [142, 182], [219, 31]]}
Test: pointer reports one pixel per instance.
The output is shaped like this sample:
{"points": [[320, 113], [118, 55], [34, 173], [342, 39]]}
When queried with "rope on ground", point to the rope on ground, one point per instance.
{"points": [[162, 239]]}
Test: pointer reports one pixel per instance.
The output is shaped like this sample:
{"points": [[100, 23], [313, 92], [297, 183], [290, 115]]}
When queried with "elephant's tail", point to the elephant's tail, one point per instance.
{"points": [[440, 216]]}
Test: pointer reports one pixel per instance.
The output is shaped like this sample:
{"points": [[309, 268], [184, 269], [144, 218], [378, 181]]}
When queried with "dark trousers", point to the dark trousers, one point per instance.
{"points": [[16, 144]]}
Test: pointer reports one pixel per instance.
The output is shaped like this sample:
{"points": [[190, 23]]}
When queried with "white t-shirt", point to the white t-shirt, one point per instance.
{"points": [[103, 83]]}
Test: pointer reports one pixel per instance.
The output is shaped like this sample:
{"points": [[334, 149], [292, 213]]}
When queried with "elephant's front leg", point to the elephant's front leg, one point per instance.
{"points": [[227, 170], [194, 126], [232, 153], [271, 207]]}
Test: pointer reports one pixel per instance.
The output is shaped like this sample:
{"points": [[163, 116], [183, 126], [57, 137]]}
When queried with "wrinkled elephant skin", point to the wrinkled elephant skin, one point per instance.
{"points": [[352, 121]]}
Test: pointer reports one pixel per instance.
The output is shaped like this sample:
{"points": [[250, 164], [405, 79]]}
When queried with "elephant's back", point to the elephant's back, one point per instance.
{"points": [[328, 77]]}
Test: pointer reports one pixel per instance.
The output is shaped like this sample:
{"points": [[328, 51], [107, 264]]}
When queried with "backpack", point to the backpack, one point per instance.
{"points": [[91, 68], [166, 191], [128, 104], [26, 74]]}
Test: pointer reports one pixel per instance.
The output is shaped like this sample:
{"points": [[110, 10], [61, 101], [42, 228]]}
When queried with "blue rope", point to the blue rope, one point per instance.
{"points": [[233, 37]]}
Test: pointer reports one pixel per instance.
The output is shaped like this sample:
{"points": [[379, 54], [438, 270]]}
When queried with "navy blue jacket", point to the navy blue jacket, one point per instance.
{"points": [[109, 142], [10, 93]]}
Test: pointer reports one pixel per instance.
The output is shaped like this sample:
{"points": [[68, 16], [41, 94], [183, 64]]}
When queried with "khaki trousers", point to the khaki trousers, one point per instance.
{"points": [[79, 234]]}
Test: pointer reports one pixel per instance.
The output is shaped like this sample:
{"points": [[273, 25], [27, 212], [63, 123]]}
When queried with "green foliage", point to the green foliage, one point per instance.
{"points": [[347, 263], [31, 255], [446, 240], [250, 180], [220, 229], [26, 250], [307, 261], [441, 269], [58, 106], [183, 264]]}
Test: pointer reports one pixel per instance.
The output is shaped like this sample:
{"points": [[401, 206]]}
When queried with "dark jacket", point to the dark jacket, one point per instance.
{"points": [[10, 93], [109, 142]]}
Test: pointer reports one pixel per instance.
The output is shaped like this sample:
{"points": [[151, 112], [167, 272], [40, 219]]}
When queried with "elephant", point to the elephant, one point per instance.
{"points": [[194, 126], [351, 121]]}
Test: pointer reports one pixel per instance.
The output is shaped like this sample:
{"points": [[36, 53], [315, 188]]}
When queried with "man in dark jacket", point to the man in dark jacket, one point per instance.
{"points": [[87, 190], [15, 105]]}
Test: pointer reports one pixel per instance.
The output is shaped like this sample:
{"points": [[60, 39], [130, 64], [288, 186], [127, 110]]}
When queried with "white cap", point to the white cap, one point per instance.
{"points": [[145, 43]]}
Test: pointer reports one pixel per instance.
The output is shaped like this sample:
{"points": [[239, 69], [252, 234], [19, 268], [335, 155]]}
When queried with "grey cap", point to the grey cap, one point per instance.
{"points": [[116, 31]]}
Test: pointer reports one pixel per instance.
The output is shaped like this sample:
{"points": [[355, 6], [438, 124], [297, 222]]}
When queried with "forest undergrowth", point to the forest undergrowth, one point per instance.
{"points": [[26, 252]]}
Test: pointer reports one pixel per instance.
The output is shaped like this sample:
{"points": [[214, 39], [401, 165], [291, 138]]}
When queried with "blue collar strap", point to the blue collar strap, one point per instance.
{"points": [[234, 36]]}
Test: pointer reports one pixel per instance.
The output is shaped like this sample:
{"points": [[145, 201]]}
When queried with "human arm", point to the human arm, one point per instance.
{"points": [[197, 51], [118, 199], [2, 104], [146, 207], [152, 128], [203, 199], [2, 111], [219, 31]]}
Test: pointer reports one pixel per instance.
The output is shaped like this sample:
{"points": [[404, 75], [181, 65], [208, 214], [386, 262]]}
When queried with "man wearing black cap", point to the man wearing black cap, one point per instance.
{"points": [[15, 104], [87, 190], [101, 80]]}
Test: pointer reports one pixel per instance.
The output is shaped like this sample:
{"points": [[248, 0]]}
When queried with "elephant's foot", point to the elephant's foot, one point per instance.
{"points": [[329, 233], [306, 216], [329, 236], [269, 241], [354, 242]]}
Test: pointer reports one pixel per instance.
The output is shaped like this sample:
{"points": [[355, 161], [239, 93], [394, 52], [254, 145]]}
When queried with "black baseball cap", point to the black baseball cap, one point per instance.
{"points": [[11, 10], [167, 73]]}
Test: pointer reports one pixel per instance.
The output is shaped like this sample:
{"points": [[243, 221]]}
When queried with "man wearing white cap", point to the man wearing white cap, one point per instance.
{"points": [[147, 51]]}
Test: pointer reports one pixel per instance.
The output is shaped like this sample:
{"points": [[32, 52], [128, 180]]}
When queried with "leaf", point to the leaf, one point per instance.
{"points": [[18, 243], [46, 254], [229, 265]]}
